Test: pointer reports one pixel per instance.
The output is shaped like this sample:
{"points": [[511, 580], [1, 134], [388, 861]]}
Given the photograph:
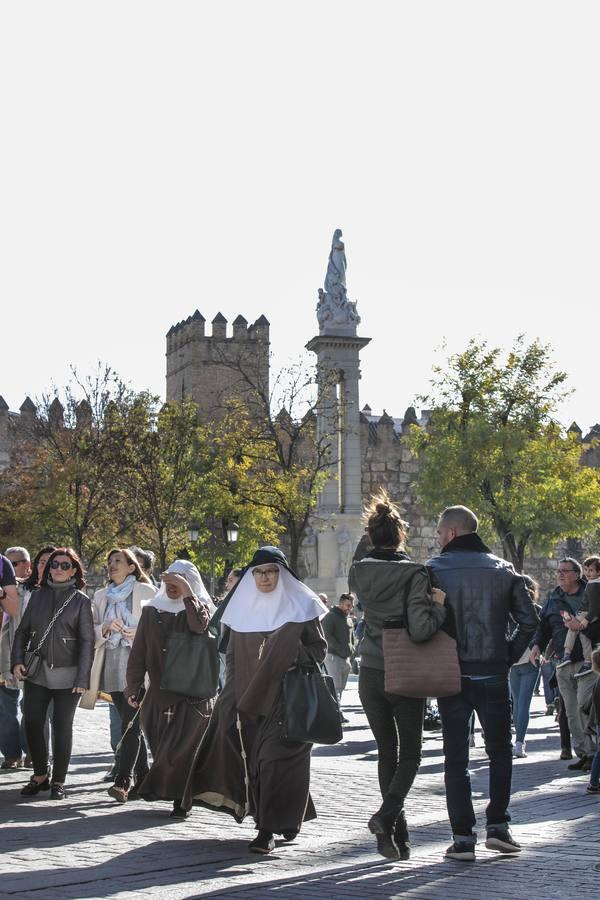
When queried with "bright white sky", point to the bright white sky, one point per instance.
{"points": [[158, 157]]}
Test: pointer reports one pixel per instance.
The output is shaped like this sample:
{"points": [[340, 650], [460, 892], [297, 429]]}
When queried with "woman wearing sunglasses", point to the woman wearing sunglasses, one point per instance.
{"points": [[63, 671]]}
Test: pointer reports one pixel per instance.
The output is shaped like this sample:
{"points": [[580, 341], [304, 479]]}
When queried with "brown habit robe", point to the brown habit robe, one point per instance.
{"points": [[173, 725], [278, 795]]}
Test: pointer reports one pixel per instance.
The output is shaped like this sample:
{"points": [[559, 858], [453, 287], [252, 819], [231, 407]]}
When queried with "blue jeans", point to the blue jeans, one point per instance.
{"points": [[490, 698], [115, 726], [13, 743], [595, 773], [523, 679], [548, 670]]}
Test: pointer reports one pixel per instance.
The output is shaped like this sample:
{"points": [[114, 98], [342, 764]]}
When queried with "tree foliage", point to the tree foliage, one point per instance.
{"points": [[161, 467], [493, 445], [102, 466], [273, 437], [64, 482]]}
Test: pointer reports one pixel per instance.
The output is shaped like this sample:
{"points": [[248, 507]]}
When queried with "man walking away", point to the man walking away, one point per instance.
{"points": [[338, 628], [487, 598]]}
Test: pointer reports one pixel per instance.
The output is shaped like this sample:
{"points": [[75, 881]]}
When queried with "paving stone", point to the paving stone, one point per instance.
{"points": [[90, 847]]}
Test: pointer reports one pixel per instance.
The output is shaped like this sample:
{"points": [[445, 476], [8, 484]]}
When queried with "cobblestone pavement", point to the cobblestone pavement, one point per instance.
{"points": [[88, 846]]}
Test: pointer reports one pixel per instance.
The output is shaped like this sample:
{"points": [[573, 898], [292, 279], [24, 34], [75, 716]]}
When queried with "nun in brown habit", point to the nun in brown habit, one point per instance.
{"points": [[173, 724], [243, 766]]}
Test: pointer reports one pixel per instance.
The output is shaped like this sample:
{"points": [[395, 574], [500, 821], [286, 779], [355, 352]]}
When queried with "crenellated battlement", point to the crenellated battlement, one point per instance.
{"points": [[191, 351]]}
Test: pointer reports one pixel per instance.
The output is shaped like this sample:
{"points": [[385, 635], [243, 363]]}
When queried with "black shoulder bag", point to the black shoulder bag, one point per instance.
{"points": [[191, 666], [311, 713]]}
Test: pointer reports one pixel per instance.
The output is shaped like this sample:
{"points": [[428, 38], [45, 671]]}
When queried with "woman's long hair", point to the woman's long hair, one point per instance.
{"points": [[77, 565], [31, 581], [384, 523], [139, 573]]}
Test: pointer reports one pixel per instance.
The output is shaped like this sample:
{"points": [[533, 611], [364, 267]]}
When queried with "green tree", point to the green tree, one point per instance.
{"points": [[64, 483], [162, 465], [493, 445], [273, 437]]}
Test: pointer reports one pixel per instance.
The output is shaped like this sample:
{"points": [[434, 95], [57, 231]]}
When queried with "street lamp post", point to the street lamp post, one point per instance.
{"points": [[230, 532]]}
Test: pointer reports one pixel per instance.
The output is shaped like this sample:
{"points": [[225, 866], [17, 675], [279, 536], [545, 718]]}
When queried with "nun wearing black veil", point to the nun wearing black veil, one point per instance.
{"points": [[243, 766]]}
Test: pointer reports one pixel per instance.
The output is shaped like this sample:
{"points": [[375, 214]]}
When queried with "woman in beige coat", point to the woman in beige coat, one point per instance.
{"points": [[117, 609]]}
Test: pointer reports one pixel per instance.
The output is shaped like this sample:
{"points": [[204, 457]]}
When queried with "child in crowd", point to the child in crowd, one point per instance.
{"points": [[594, 785], [589, 612]]}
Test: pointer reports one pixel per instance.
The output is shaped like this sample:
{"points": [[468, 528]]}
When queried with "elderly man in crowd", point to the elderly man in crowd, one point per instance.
{"points": [[559, 614]]}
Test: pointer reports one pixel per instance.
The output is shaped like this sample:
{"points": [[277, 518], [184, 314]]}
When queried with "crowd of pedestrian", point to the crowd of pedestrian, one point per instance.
{"points": [[201, 695]]}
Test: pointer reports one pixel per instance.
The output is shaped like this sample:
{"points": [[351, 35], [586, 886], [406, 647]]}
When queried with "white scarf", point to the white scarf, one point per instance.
{"points": [[291, 601], [163, 602]]}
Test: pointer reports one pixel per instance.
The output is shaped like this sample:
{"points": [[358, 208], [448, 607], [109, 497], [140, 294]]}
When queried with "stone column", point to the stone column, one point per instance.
{"points": [[337, 347], [339, 509]]}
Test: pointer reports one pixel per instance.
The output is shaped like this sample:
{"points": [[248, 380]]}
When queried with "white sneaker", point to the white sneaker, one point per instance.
{"points": [[519, 750]]}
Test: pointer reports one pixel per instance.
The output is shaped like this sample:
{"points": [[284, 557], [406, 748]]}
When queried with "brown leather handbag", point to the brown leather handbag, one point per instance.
{"points": [[428, 669]]}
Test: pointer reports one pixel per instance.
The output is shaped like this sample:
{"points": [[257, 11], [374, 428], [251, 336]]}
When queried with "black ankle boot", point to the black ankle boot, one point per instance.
{"points": [[382, 827], [401, 836]]}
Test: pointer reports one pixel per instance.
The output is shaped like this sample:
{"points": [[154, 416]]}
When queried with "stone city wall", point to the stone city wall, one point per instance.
{"points": [[387, 463]]}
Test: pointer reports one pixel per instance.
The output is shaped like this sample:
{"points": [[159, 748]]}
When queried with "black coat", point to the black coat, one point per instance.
{"points": [[71, 640], [487, 597]]}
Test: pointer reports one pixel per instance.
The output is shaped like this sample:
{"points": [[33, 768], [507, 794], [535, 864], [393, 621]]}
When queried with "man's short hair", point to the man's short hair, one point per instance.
{"points": [[590, 561], [572, 562], [349, 596], [146, 556], [461, 518], [22, 550]]}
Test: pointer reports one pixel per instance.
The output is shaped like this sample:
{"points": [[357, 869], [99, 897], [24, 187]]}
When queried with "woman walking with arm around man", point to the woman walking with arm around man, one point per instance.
{"points": [[389, 586]]}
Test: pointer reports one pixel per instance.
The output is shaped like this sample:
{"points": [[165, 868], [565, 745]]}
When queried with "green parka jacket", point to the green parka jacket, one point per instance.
{"points": [[389, 586]]}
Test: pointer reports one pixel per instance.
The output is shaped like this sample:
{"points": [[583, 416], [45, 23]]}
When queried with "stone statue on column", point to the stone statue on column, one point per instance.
{"points": [[334, 309]]}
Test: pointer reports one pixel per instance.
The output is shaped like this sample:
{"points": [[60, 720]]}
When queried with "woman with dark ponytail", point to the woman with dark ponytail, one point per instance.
{"points": [[390, 586]]}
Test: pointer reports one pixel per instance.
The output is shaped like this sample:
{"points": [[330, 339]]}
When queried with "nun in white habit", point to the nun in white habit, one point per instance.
{"points": [[173, 724], [243, 766]]}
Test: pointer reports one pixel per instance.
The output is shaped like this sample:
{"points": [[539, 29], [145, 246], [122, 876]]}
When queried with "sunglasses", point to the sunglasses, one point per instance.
{"points": [[17, 562], [65, 566]]}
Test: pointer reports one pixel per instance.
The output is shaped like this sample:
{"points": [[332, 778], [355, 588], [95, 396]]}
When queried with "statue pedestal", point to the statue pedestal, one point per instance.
{"points": [[335, 554]]}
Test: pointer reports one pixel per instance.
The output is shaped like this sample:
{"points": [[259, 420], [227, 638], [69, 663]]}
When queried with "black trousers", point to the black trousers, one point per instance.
{"points": [[397, 726], [563, 726], [36, 701], [132, 753]]}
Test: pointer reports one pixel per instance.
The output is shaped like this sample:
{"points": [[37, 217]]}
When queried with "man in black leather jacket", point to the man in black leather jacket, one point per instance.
{"points": [[495, 619]]}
